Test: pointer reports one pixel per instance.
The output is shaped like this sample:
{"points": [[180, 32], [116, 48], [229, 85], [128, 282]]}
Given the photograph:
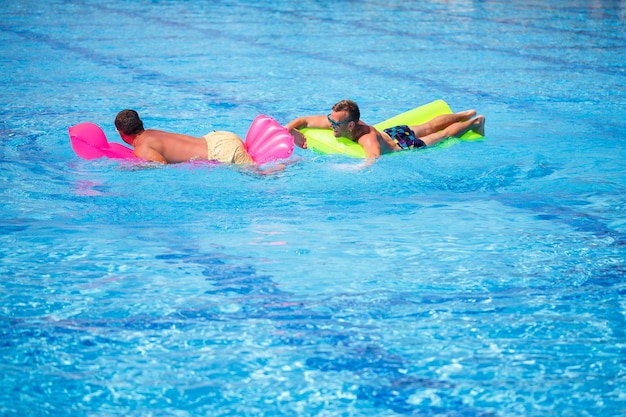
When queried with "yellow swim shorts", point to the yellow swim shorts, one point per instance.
{"points": [[227, 147]]}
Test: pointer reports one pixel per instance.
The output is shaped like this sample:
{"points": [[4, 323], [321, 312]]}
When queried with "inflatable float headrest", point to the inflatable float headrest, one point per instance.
{"points": [[90, 142]]}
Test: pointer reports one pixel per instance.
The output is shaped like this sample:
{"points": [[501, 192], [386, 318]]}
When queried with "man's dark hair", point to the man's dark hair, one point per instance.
{"points": [[349, 106], [128, 122]]}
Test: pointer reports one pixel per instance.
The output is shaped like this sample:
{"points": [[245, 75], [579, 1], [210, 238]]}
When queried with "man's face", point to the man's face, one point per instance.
{"points": [[339, 123]]}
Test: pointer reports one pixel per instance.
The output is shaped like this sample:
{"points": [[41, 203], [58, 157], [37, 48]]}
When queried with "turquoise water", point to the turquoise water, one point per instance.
{"points": [[483, 279]]}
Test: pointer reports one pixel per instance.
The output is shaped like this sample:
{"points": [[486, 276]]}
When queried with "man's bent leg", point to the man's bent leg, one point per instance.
{"points": [[456, 130], [441, 122]]}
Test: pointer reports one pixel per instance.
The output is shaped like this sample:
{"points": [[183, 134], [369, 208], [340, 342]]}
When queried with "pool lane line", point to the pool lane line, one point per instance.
{"points": [[103, 60], [218, 98], [254, 43], [436, 83]]}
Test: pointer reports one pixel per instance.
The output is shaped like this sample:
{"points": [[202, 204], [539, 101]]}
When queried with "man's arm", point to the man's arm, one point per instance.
{"points": [[320, 122]]}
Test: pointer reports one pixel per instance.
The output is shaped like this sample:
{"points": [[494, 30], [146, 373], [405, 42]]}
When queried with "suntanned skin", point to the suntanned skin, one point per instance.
{"points": [[166, 147], [377, 143]]}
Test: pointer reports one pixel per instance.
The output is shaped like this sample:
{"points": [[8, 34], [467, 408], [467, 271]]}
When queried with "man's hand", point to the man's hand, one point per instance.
{"points": [[298, 138]]}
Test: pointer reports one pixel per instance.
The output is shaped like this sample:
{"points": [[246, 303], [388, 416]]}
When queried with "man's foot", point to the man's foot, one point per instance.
{"points": [[466, 115], [478, 125]]}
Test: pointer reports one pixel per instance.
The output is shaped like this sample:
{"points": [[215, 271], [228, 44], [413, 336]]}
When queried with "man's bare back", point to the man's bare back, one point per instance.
{"points": [[166, 147]]}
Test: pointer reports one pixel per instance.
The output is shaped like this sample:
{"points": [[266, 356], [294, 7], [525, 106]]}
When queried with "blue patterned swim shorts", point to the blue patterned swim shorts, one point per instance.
{"points": [[405, 137]]}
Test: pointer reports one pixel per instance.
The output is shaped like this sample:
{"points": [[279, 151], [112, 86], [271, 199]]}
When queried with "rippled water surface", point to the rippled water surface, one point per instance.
{"points": [[481, 279]]}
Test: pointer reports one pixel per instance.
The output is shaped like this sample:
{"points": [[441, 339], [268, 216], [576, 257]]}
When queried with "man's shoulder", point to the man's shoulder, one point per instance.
{"points": [[368, 131], [154, 135]]}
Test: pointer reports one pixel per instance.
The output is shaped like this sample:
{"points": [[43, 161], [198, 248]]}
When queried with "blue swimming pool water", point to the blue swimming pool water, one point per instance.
{"points": [[483, 279]]}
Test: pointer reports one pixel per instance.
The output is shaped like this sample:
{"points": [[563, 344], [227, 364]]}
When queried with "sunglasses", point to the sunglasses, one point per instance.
{"points": [[335, 124]]}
